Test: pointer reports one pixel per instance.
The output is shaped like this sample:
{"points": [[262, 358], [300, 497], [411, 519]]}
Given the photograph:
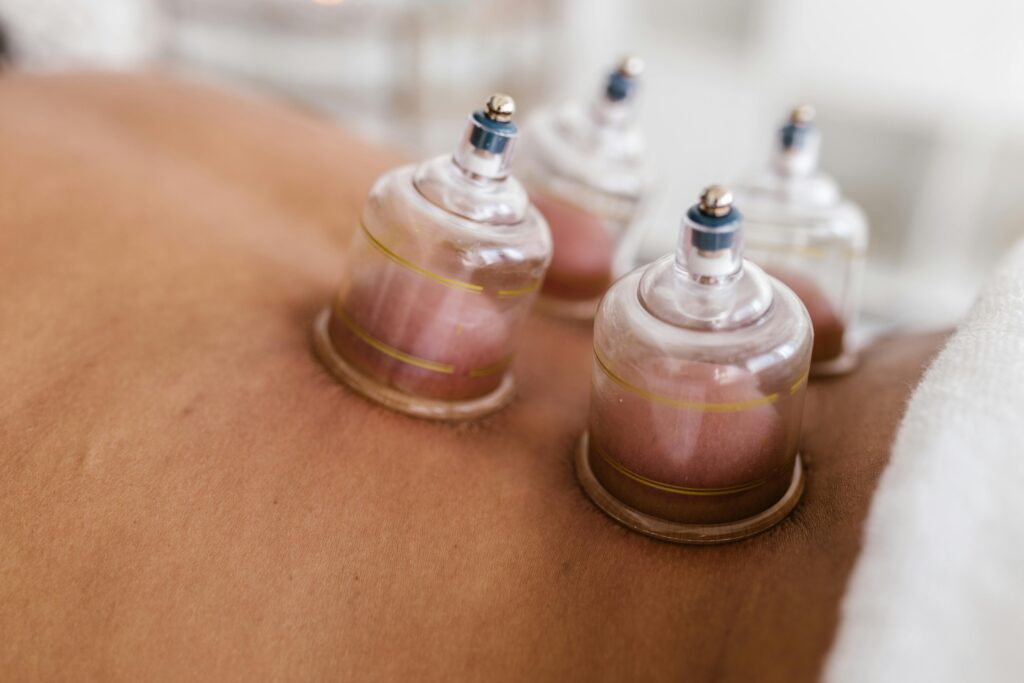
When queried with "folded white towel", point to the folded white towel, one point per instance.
{"points": [[938, 592]]}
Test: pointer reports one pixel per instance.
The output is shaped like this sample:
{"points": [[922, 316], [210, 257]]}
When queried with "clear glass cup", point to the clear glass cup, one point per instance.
{"points": [[440, 276], [802, 231], [584, 169], [700, 368]]}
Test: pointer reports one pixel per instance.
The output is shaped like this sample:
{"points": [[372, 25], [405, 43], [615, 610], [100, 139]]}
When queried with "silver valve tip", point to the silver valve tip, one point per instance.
{"points": [[500, 107], [631, 66], [716, 200], [802, 115]]}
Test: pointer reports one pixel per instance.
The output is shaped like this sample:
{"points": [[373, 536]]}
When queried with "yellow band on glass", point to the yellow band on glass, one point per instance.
{"points": [[446, 281], [671, 488], [409, 359], [509, 293], [492, 369], [691, 405], [800, 382], [694, 405], [391, 351]]}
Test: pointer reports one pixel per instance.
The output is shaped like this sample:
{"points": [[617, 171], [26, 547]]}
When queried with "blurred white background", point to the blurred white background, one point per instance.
{"points": [[921, 101]]}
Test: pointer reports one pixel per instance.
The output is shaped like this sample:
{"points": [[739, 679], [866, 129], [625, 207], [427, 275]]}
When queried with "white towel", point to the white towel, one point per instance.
{"points": [[55, 34], [938, 592]]}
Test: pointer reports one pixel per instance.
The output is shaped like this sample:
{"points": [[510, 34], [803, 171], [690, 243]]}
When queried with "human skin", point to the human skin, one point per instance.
{"points": [[463, 334], [186, 493], [828, 327], [581, 264], [729, 437]]}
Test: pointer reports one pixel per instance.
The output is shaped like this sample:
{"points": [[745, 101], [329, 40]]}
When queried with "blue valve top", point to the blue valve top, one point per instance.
{"points": [[623, 82], [490, 134], [796, 131], [717, 219]]}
